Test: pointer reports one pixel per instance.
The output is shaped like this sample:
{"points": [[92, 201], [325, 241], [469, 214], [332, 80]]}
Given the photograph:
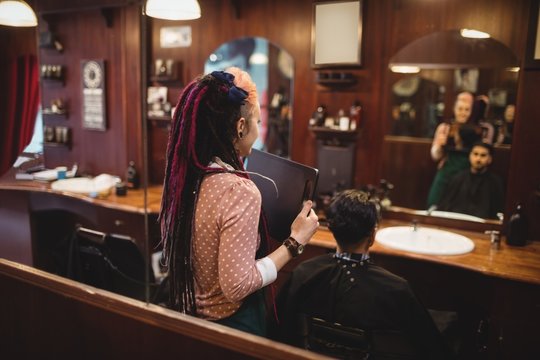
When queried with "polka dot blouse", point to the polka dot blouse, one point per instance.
{"points": [[225, 242]]}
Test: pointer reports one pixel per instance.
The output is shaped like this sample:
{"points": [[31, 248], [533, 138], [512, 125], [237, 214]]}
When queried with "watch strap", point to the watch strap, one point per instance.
{"points": [[294, 247]]}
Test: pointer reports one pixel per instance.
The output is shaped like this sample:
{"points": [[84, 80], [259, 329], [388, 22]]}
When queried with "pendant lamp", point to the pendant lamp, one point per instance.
{"points": [[17, 13], [173, 9]]}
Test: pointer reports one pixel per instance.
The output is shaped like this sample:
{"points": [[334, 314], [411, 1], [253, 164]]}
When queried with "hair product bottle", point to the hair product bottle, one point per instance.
{"points": [[132, 177], [517, 228]]}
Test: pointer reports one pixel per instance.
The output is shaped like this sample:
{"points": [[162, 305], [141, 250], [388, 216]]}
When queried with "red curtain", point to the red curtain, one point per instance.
{"points": [[17, 128]]}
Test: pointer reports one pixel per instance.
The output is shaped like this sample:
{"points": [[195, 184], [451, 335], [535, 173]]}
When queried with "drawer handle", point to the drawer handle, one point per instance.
{"points": [[118, 222]]}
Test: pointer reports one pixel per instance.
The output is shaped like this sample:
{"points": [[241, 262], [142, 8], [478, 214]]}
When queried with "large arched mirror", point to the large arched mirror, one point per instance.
{"points": [[272, 70], [424, 80]]}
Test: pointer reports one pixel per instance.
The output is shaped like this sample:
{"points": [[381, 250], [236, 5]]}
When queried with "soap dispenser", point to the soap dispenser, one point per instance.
{"points": [[517, 228]]}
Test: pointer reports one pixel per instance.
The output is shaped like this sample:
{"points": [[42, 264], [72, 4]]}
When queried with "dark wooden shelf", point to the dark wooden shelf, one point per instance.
{"points": [[330, 82], [335, 78], [171, 80], [53, 81], [56, 145], [53, 114], [159, 118], [335, 135]]}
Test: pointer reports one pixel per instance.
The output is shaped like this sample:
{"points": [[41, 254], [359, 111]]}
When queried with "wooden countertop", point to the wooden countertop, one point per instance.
{"points": [[513, 263], [132, 202]]}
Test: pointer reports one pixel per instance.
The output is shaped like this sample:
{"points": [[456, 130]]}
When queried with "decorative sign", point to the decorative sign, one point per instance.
{"points": [[336, 35], [93, 94], [175, 36]]}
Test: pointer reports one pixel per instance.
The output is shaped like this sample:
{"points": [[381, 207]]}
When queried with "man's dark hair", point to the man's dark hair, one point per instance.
{"points": [[485, 145], [351, 216]]}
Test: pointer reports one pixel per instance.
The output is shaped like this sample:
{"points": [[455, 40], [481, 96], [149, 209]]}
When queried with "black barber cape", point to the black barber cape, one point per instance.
{"points": [[357, 294], [474, 194]]}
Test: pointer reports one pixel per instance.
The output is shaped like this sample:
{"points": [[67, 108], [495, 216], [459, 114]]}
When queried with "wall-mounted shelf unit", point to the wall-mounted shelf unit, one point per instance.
{"points": [[334, 135], [57, 145], [159, 118], [335, 78], [48, 113]]}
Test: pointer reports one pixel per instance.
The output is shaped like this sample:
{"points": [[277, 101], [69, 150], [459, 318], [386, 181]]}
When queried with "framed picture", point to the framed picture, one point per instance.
{"points": [[532, 53], [336, 34], [93, 95]]}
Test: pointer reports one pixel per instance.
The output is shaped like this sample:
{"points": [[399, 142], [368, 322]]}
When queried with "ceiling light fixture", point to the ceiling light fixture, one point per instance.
{"points": [[474, 34], [173, 9], [404, 69], [17, 13]]}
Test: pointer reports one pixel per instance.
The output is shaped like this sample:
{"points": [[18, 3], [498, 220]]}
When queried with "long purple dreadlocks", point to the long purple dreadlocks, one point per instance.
{"points": [[203, 127]]}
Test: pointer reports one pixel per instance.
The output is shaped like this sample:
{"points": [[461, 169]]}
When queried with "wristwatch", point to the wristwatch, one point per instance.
{"points": [[294, 247]]}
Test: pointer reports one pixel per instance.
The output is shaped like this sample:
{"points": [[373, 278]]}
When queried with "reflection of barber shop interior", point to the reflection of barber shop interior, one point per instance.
{"points": [[367, 97]]}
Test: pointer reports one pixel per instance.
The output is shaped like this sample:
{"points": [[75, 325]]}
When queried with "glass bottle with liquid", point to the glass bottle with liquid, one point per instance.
{"points": [[132, 176]]}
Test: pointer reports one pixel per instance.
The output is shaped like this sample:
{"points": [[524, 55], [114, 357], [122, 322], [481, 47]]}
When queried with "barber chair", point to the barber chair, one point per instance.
{"points": [[111, 262], [345, 342]]}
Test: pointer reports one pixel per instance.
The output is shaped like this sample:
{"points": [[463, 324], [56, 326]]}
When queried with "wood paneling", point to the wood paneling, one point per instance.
{"points": [[388, 26], [86, 35], [46, 314]]}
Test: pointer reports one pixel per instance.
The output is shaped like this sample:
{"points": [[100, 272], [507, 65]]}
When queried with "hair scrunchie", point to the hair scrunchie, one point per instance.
{"points": [[236, 95]]}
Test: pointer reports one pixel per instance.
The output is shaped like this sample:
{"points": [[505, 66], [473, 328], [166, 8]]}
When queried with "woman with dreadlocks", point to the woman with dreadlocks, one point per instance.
{"points": [[213, 231]]}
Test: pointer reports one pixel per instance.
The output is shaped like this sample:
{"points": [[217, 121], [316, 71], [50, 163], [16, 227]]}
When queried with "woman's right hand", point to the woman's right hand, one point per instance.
{"points": [[305, 224], [441, 135]]}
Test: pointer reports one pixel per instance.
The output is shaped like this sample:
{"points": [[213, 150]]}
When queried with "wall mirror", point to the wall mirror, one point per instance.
{"points": [[423, 81], [272, 70]]}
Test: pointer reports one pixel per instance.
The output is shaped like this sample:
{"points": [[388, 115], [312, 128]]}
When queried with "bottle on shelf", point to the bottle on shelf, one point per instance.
{"points": [[132, 177], [355, 115], [517, 228]]}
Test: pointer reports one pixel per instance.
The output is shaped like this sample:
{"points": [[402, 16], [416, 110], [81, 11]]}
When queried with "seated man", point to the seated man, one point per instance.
{"points": [[347, 288], [475, 191]]}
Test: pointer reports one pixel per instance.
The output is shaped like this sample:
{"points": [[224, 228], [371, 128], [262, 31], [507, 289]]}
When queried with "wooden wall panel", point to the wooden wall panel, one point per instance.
{"points": [[85, 35], [388, 26], [46, 314]]}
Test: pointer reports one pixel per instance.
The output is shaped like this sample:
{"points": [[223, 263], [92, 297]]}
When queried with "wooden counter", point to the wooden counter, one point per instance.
{"points": [[34, 219], [499, 287], [132, 202], [513, 263]]}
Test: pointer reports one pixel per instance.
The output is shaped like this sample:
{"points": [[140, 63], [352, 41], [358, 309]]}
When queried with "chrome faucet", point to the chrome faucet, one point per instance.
{"points": [[495, 239], [431, 209], [414, 225]]}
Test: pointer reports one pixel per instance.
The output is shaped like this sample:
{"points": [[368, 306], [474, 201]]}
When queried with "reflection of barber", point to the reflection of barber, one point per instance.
{"points": [[451, 144], [277, 138], [476, 191], [504, 130]]}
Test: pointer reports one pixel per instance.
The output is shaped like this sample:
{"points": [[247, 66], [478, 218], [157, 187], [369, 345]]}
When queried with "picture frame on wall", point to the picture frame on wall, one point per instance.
{"points": [[532, 52], [93, 95], [336, 34]]}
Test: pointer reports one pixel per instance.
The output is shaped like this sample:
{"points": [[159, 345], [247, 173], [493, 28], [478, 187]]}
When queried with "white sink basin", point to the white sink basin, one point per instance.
{"points": [[450, 215], [424, 240], [101, 185]]}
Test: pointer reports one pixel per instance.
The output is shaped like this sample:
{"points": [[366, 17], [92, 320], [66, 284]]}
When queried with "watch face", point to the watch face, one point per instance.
{"points": [[300, 249], [92, 74]]}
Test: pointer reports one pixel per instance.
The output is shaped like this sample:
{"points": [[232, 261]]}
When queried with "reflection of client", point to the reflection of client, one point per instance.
{"points": [[451, 144], [476, 191]]}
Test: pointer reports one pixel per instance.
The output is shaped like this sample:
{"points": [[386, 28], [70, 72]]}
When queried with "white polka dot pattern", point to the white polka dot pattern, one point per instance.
{"points": [[225, 242]]}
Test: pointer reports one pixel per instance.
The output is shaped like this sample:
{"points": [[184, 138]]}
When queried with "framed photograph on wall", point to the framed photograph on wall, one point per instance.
{"points": [[532, 53], [336, 34], [93, 95]]}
